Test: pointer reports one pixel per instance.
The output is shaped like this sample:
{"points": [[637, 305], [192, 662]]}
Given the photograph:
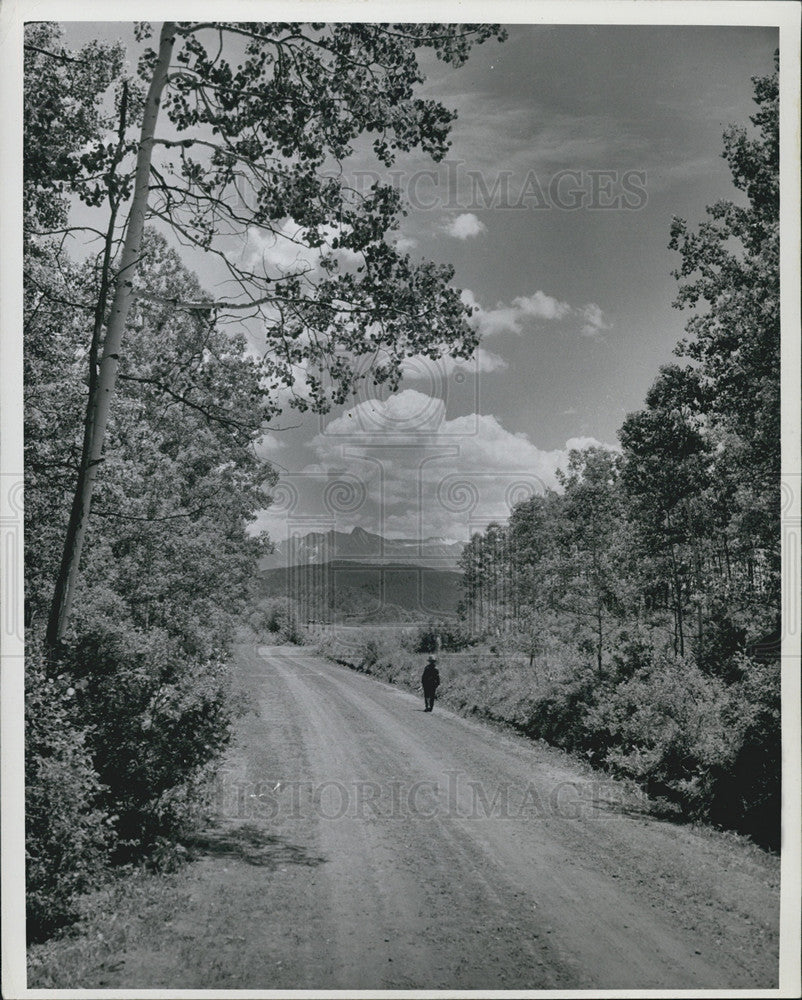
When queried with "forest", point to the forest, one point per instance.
{"points": [[644, 592]]}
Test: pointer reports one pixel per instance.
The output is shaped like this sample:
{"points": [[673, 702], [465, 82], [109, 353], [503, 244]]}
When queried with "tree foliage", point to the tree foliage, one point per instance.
{"points": [[263, 118], [731, 267], [63, 118], [68, 832]]}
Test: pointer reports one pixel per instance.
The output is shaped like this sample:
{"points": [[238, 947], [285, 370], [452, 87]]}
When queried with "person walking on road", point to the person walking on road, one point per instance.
{"points": [[430, 680]]}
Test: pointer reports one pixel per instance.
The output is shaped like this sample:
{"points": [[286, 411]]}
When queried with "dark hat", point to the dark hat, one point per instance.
{"points": [[432, 659]]}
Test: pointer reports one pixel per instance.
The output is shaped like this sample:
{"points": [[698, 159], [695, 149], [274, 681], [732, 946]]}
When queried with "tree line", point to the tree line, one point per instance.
{"points": [[646, 589]]}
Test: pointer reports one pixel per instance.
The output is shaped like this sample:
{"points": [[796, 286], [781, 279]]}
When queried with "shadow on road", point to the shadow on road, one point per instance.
{"points": [[250, 843]]}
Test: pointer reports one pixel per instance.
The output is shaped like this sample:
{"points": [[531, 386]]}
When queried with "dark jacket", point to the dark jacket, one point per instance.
{"points": [[430, 678]]}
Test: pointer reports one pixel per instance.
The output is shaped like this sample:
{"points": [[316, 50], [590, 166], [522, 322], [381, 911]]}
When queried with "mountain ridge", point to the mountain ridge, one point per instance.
{"points": [[362, 546]]}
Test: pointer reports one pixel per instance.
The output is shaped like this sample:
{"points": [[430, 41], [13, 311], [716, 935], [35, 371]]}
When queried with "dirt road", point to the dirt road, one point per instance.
{"points": [[367, 844]]}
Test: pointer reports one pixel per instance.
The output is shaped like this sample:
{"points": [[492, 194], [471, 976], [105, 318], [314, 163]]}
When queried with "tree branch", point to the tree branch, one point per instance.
{"points": [[188, 402], [62, 56]]}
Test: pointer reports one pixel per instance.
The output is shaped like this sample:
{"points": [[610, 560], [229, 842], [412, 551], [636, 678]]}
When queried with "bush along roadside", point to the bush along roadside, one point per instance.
{"points": [[69, 833], [121, 744], [711, 749], [130, 708]]}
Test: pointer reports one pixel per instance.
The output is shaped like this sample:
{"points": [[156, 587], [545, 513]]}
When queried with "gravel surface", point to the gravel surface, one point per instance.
{"points": [[366, 844]]}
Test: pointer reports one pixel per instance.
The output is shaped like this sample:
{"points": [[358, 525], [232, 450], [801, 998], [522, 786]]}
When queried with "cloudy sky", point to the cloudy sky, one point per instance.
{"points": [[574, 147]]}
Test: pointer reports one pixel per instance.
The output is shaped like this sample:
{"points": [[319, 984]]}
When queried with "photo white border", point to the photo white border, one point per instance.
{"points": [[786, 16]]}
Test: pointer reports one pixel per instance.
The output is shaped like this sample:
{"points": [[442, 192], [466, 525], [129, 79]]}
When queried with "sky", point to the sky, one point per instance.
{"points": [[573, 148]]}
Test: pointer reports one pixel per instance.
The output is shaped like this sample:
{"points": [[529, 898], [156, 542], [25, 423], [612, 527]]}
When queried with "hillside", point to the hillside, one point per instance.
{"points": [[344, 590], [317, 548]]}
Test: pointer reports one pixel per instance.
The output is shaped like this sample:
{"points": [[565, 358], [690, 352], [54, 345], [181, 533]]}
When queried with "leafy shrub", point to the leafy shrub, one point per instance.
{"points": [[561, 716], [710, 747], [632, 652], [277, 618], [724, 634], [444, 638], [747, 794], [370, 655], [68, 834], [666, 727], [160, 718]]}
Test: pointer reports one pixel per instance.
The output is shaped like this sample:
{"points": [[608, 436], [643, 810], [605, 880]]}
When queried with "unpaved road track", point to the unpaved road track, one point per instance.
{"points": [[369, 845]]}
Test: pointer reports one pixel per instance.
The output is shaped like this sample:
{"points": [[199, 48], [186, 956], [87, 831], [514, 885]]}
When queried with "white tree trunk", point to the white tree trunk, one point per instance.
{"points": [[107, 373]]}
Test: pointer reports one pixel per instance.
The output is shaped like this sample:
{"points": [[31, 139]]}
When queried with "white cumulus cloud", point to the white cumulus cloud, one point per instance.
{"points": [[404, 243], [418, 367], [515, 316], [418, 472], [595, 321], [522, 313], [285, 252], [465, 226]]}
